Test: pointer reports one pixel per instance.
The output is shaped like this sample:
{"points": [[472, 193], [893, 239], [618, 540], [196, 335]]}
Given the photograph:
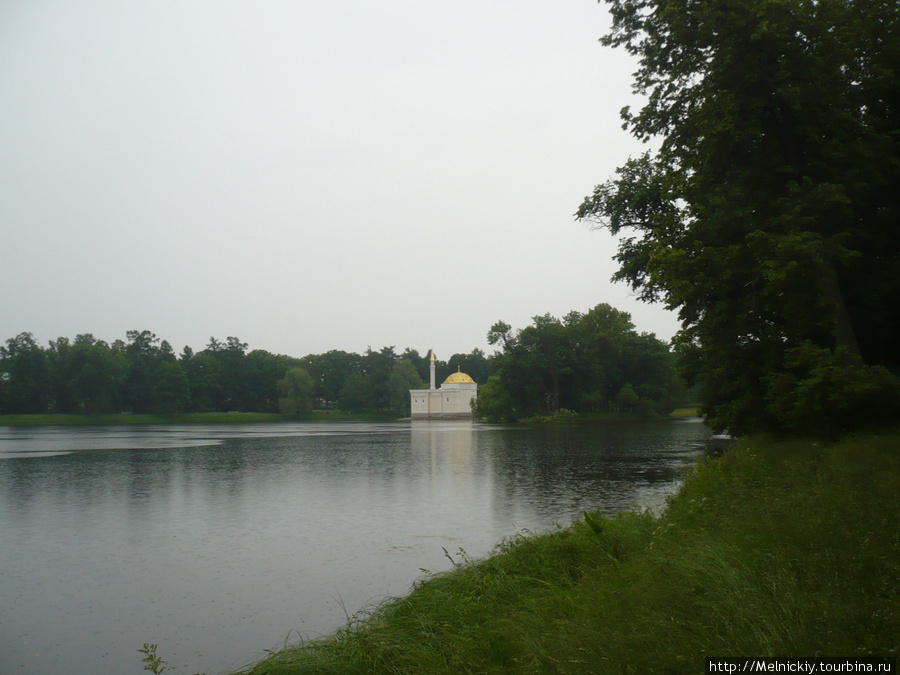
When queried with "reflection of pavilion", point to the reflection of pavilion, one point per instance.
{"points": [[453, 400], [447, 444]]}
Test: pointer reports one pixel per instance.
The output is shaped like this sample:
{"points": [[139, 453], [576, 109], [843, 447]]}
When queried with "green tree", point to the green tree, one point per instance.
{"points": [[143, 355], [580, 363], [330, 371], [57, 355], [404, 377], [519, 376], [355, 393], [422, 364], [233, 373], [263, 370], [495, 403], [650, 362], [598, 338], [25, 381], [95, 376], [627, 400], [297, 389], [202, 371], [769, 214], [171, 388], [474, 364], [376, 368]]}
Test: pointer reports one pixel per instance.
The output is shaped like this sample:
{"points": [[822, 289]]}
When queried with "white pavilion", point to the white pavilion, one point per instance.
{"points": [[452, 401]]}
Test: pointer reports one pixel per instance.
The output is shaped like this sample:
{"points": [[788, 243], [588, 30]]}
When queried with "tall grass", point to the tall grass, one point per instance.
{"points": [[775, 548]]}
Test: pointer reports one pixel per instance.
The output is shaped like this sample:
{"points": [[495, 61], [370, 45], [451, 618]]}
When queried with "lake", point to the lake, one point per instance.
{"points": [[219, 542]]}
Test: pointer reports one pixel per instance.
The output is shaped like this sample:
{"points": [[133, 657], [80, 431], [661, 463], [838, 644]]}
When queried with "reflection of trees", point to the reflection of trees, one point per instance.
{"points": [[562, 470], [308, 508], [518, 475]]}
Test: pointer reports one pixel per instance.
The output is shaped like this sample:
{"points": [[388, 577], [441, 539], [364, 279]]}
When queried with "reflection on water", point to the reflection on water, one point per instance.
{"points": [[215, 541]]}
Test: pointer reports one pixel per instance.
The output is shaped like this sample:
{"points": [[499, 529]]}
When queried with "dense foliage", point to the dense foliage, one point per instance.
{"points": [[769, 216], [589, 363], [144, 375], [586, 363]]}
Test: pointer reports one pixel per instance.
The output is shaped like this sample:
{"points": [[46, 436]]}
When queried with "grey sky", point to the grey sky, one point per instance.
{"points": [[306, 175]]}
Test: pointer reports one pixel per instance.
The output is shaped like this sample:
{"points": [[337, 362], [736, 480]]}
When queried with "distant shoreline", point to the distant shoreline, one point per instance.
{"points": [[127, 419]]}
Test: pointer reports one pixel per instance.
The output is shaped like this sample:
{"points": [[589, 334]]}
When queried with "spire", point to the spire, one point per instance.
{"points": [[432, 384]]}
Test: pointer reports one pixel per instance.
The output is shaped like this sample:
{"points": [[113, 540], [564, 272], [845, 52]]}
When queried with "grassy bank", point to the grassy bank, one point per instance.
{"points": [[123, 419], [690, 411], [186, 418], [776, 548]]}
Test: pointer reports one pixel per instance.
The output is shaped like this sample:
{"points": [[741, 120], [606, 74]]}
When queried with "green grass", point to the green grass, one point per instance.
{"points": [[691, 411], [781, 548], [127, 419]]}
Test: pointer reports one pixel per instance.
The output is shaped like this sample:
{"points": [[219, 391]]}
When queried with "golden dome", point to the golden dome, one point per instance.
{"points": [[459, 378]]}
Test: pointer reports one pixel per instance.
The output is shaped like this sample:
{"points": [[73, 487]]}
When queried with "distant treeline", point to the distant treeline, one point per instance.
{"points": [[592, 362], [144, 375]]}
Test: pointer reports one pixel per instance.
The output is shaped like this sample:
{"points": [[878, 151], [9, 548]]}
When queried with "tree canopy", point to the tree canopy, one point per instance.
{"points": [[142, 374], [769, 215], [586, 363]]}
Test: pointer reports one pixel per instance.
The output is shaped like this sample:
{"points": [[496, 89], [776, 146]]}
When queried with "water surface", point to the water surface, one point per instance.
{"points": [[216, 541]]}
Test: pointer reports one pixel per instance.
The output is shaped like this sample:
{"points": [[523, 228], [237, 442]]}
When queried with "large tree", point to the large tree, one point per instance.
{"points": [[404, 377], [205, 382], [474, 364], [25, 380], [144, 356], [769, 215], [580, 363], [171, 388], [297, 389], [94, 376], [330, 371]]}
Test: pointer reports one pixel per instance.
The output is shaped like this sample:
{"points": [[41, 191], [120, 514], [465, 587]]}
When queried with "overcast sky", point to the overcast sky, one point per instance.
{"points": [[306, 175]]}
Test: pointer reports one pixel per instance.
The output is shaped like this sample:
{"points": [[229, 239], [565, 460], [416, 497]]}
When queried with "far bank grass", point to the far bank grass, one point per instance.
{"points": [[776, 548], [690, 411], [51, 419], [124, 419]]}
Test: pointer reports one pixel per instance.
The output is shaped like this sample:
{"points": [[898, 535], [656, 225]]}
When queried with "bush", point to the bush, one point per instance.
{"points": [[824, 393]]}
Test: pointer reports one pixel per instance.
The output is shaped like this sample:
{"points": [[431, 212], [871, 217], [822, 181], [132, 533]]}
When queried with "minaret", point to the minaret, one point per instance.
{"points": [[432, 371]]}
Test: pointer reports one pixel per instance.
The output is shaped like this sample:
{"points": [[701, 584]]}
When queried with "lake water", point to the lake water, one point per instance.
{"points": [[218, 542]]}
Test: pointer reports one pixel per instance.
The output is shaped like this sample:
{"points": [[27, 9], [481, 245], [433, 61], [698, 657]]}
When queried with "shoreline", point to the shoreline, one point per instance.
{"points": [[780, 547], [128, 419]]}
